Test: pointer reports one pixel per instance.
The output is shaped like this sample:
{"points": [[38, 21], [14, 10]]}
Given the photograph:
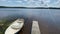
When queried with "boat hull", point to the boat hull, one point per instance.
{"points": [[14, 30]]}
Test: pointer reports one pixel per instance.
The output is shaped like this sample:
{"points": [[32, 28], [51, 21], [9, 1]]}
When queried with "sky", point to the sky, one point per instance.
{"points": [[30, 3]]}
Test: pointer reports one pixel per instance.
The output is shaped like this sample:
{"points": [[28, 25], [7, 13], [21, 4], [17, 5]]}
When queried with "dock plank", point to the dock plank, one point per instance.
{"points": [[35, 28]]}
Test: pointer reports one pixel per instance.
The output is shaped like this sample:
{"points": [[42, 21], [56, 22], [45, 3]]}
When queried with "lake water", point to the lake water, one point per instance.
{"points": [[10, 11], [49, 19]]}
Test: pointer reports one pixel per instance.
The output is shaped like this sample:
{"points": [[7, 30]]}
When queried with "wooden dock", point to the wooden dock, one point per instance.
{"points": [[35, 28]]}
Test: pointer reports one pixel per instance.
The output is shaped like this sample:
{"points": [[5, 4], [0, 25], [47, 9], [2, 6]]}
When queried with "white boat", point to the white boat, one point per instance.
{"points": [[15, 26]]}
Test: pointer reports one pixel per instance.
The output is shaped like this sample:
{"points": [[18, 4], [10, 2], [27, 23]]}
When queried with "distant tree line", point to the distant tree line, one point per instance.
{"points": [[31, 7]]}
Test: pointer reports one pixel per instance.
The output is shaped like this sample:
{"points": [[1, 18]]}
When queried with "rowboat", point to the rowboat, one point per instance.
{"points": [[15, 26]]}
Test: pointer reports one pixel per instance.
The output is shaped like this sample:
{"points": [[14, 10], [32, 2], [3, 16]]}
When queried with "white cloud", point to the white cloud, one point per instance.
{"points": [[25, 0], [33, 3], [9, 1], [18, 1], [3, 0]]}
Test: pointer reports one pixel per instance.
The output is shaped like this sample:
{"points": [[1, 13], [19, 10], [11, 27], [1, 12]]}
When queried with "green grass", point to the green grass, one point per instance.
{"points": [[4, 23]]}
